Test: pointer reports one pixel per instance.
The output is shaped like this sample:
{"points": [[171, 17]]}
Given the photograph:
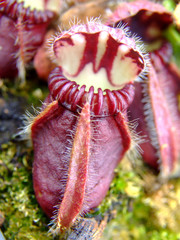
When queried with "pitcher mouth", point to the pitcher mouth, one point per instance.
{"points": [[98, 64], [26, 11], [73, 96]]}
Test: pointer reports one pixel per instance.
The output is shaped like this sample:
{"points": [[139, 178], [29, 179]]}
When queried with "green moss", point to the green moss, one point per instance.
{"points": [[23, 217], [145, 209], [34, 90]]}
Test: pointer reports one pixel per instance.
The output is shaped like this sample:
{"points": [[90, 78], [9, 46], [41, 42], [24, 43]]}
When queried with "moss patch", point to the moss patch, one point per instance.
{"points": [[23, 217]]}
